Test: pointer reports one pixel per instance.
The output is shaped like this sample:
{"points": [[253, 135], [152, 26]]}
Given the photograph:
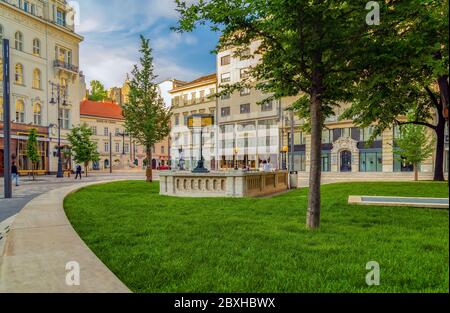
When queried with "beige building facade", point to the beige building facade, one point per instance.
{"points": [[115, 146], [44, 49], [188, 98]]}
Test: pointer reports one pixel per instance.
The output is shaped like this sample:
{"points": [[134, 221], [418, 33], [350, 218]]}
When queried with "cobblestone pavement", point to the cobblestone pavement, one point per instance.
{"points": [[30, 189]]}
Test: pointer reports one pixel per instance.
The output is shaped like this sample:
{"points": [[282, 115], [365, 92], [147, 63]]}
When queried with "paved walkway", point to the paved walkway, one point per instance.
{"points": [[30, 189], [41, 243]]}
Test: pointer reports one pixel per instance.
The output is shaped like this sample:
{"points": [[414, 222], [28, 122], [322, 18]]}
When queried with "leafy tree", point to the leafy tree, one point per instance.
{"points": [[98, 91], [306, 50], [413, 146], [409, 72], [147, 119], [84, 150], [33, 150]]}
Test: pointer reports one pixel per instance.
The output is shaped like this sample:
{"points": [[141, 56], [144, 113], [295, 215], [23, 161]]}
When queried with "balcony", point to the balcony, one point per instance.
{"points": [[61, 65]]}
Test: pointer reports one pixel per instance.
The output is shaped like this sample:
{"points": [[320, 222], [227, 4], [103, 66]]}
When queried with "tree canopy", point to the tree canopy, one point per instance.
{"points": [[84, 150], [98, 91], [147, 119]]}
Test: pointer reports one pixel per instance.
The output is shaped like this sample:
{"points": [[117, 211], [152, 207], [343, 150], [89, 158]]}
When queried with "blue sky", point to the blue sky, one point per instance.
{"points": [[111, 29]]}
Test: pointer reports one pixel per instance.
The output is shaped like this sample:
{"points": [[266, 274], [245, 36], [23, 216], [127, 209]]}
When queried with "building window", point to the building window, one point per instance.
{"points": [[346, 132], [267, 106], [193, 97], [20, 111], [106, 131], [225, 60], [36, 47], [245, 73], [163, 150], [326, 161], [37, 113], [94, 130], [26, 6], [327, 136], [225, 96], [300, 162], [245, 91], [117, 147], [224, 112], [127, 148], [61, 17], [371, 161], [106, 146], [18, 41], [367, 133], [18, 78], [64, 116], [177, 120], [116, 132], [36, 79], [245, 54], [225, 78], [245, 108]]}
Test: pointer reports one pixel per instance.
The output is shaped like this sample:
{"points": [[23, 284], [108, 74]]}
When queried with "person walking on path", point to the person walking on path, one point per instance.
{"points": [[15, 173], [78, 171]]}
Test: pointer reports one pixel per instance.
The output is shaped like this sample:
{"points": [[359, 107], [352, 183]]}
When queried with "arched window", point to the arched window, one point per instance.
{"points": [[19, 74], [20, 111], [36, 79], [37, 112], [36, 47], [18, 41]]}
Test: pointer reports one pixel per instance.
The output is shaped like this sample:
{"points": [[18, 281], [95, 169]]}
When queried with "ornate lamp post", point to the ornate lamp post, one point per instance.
{"points": [[60, 96], [199, 121], [236, 152], [284, 152]]}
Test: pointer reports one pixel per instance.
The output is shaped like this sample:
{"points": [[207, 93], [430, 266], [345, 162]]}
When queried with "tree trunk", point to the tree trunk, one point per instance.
{"points": [[313, 215], [33, 166], [416, 172], [444, 90], [86, 168], [440, 147], [149, 171]]}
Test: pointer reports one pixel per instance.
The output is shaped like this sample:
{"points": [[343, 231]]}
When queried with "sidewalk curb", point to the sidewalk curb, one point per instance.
{"points": [[40, 244]]}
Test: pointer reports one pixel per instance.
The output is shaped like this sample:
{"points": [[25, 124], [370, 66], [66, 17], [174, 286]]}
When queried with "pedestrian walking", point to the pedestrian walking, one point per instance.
{"points": [[15, 173], [78, 171]]}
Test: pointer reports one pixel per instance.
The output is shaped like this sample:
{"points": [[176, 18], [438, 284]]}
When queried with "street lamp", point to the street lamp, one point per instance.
{"points": [[123, 135], [199, 121], [60, 96], [236, 152], [284, 152]]}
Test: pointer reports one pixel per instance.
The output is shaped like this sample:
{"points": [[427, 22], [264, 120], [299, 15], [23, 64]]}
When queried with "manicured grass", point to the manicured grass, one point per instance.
{"points": [[162, 244]]}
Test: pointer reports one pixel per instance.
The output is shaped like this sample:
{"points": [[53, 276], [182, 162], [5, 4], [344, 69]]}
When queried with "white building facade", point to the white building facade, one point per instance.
{"points": [[44, 49]]}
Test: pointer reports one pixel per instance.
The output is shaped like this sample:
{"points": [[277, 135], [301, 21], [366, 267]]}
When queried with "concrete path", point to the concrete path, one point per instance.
{"points": [[40, 244]]}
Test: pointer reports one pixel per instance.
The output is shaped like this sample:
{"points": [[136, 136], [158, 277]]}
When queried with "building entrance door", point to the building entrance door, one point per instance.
{"points": [[346, 161]]}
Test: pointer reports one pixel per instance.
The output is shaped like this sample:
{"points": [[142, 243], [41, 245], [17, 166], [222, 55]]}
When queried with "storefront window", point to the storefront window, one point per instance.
{"points": [[326, 161], [371, 161], [300, 162]]}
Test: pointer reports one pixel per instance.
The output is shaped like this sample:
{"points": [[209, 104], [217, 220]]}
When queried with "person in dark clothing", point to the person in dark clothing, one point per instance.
{"points": [[15, 173], [78, 171]]}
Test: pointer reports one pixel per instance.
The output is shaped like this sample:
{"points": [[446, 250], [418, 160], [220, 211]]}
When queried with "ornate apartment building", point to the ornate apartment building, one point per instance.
{"points": [[250, 131], [44, 49], [105, 118], [188, 98]]}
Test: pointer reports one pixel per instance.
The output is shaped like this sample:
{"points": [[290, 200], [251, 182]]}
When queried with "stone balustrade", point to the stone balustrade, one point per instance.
{"points": [[237, 184]]}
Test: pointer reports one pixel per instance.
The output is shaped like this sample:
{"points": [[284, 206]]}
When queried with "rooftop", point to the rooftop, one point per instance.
{"points": [[204, 80], [106, 109]]}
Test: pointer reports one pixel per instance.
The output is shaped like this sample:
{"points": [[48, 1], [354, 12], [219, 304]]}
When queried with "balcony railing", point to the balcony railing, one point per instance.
{"points": [[66, 66]]}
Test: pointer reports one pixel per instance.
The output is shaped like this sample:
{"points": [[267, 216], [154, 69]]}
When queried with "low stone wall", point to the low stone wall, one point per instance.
{"points": [[237, 184]]}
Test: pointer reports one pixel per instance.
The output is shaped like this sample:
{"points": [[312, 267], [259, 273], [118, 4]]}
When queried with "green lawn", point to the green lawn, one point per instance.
{"points": [[162, 244]]}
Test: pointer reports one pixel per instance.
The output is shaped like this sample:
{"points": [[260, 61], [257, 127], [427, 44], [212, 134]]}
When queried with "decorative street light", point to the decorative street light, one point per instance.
{"points": [[60, 96], [123, 135], [236, 152], [199, 121], [284, 152]]}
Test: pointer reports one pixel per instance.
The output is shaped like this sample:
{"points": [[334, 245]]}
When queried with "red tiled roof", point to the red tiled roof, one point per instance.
{"points": [[101, 109]]}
